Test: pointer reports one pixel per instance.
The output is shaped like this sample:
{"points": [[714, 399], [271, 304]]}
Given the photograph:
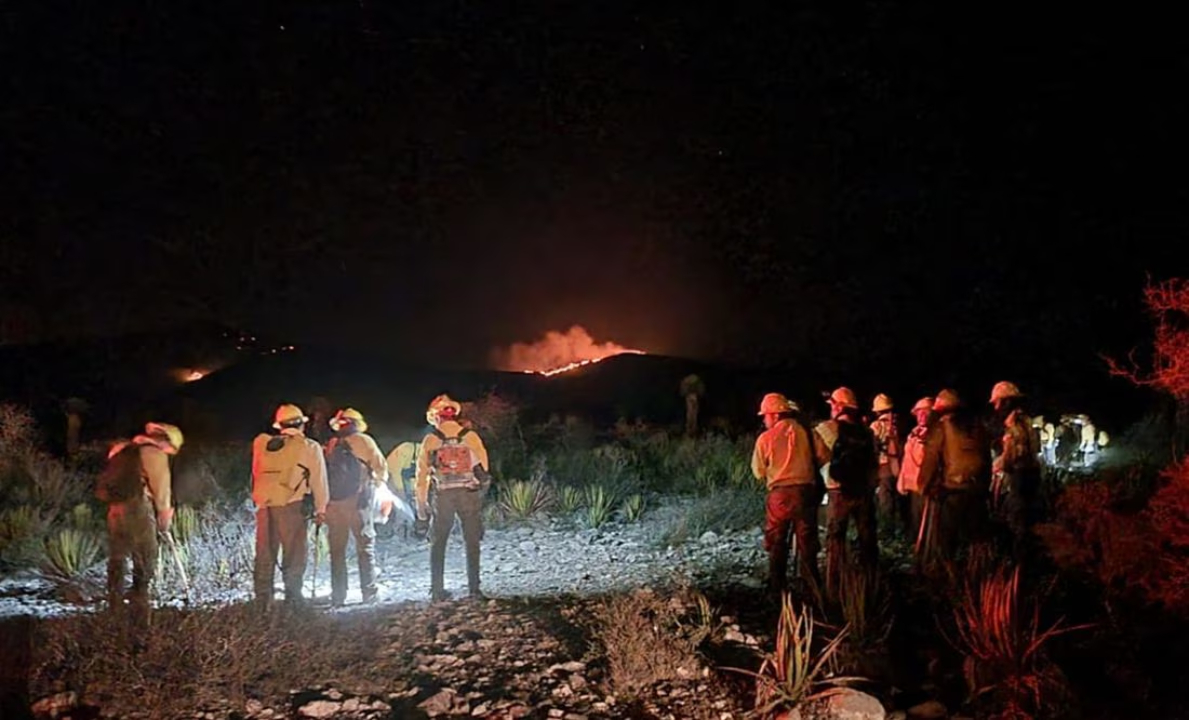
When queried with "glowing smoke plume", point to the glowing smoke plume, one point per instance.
{"points": [[557, 352]]}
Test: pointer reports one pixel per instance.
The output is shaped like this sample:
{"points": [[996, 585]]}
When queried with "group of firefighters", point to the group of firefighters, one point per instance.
{"points": [[941, 485], [295, 479], [946, 484]]}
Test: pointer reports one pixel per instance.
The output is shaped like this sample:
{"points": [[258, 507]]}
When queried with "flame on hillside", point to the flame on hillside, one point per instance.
{"points": [[557, 353]]}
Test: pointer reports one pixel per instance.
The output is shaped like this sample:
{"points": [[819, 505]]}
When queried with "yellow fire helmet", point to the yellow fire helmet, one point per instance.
{"points": [[288, 416], [346, 417], [775, 403], [171, 433], [443, 407], [881, 403], [946, 400], [1003, 390], [845, 397], [925, 403]]}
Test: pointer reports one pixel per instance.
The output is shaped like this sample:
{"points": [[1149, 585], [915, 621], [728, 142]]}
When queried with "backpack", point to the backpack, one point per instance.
{"points": [[453, 463], [120, 480], [345, 473], [853, 458]]}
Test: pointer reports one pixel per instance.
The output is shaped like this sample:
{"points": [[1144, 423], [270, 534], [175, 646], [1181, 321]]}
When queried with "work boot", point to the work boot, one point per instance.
{"points": [[369, 596], [440, 596], [476, 595]]}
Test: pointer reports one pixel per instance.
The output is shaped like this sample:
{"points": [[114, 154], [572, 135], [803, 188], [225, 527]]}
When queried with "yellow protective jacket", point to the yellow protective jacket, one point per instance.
{"points": [[284, 478], [450, 429], [783, 456], [957, 457], [364, 447], [1019, 451], [887, 442], [914, 454]]}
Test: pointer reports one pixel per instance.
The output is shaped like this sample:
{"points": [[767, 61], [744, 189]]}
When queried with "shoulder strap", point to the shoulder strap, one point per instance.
{"points": [[464, 433], [439, 434]]}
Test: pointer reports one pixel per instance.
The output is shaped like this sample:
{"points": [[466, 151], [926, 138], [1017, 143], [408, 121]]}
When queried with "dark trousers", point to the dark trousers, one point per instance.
{"points": [[894, 509], [961, 520], [280, 530], [344, 520], [840, 510], [791, 511], [132, 533], [1019, 508], [468, 506]]}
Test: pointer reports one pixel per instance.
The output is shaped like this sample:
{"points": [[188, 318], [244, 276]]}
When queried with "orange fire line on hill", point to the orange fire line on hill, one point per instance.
{"points": [[580, 363]]}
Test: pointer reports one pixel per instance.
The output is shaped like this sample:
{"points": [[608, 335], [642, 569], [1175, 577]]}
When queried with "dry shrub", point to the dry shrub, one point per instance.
{"points": [[191, 659], [1168, 518], [1004, 647], [648, 638]]}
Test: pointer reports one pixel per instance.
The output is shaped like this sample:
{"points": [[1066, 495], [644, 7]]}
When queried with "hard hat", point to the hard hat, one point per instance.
{"points": [[882, 403], [289, 415], [348, 416], [1004, 389], [844, 396], [171, 433], [925, 403], [775, 403], [946, 400], [443, 406]]}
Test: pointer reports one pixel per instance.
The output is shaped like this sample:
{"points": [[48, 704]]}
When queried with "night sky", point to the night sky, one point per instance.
{"points": [[833, 187]]}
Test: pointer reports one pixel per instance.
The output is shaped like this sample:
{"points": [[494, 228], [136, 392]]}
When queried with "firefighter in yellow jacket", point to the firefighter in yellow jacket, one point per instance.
{"points": [[286, 467], [454, 459], [352, 484], [1015, 470], [955, 475], [892, 507], [135, 517], [783, 461]]}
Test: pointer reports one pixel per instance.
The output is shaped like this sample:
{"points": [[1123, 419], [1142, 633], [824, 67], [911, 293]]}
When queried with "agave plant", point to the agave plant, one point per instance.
{"points": [[523, 499], [187, 524], [632, 507], [569, 499], [70, 553], [865, 605], [795, 673], [1004, 646], [600, 503]]}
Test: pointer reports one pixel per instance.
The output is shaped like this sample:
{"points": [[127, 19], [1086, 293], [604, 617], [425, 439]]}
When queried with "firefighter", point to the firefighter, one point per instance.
{"points": [[783, 460], [352, 478], [1089, 441], [454, 460], [286, 467], [1015, 471], [848, 447], [908, 482], [135, 514], [954, 477], [893, 508]]}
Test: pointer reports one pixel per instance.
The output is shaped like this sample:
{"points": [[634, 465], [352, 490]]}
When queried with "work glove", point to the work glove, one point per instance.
{"points": [[320, 518], [164, 519], [421, 528]]}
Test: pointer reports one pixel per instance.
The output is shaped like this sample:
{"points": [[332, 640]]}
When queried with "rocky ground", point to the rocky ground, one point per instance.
{"points": [[529, 651]]}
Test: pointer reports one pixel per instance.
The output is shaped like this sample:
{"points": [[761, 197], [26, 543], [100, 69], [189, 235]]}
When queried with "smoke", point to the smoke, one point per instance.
{"points": [[555, 350]]}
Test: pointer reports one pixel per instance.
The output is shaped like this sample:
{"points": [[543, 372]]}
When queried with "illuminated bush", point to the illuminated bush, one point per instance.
{"points": [[523, 499], [569, 499], [600, 505], [70, 553], [632, 507], [21, 529]]}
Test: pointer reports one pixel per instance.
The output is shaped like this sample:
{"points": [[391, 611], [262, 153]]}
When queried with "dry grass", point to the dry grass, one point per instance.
{"points": [[194, 659], [648, 638], [1004, 646]]}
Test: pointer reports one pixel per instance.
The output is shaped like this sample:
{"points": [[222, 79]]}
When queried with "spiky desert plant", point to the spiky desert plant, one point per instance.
{"points": [[522, 499], [600, 503], [632, 507], [187, 524], [795, 673], [1004, 645], [865, 605], [70, 553], [569, 499]]}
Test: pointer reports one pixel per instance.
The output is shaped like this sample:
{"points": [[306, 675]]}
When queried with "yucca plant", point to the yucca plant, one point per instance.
{"points": [[600, 503], [187, 524], [569, 500], [795, 673], [82, 517], [523, 499], [70, 553], [632, 507], [866, 606], [1004, 646]]}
